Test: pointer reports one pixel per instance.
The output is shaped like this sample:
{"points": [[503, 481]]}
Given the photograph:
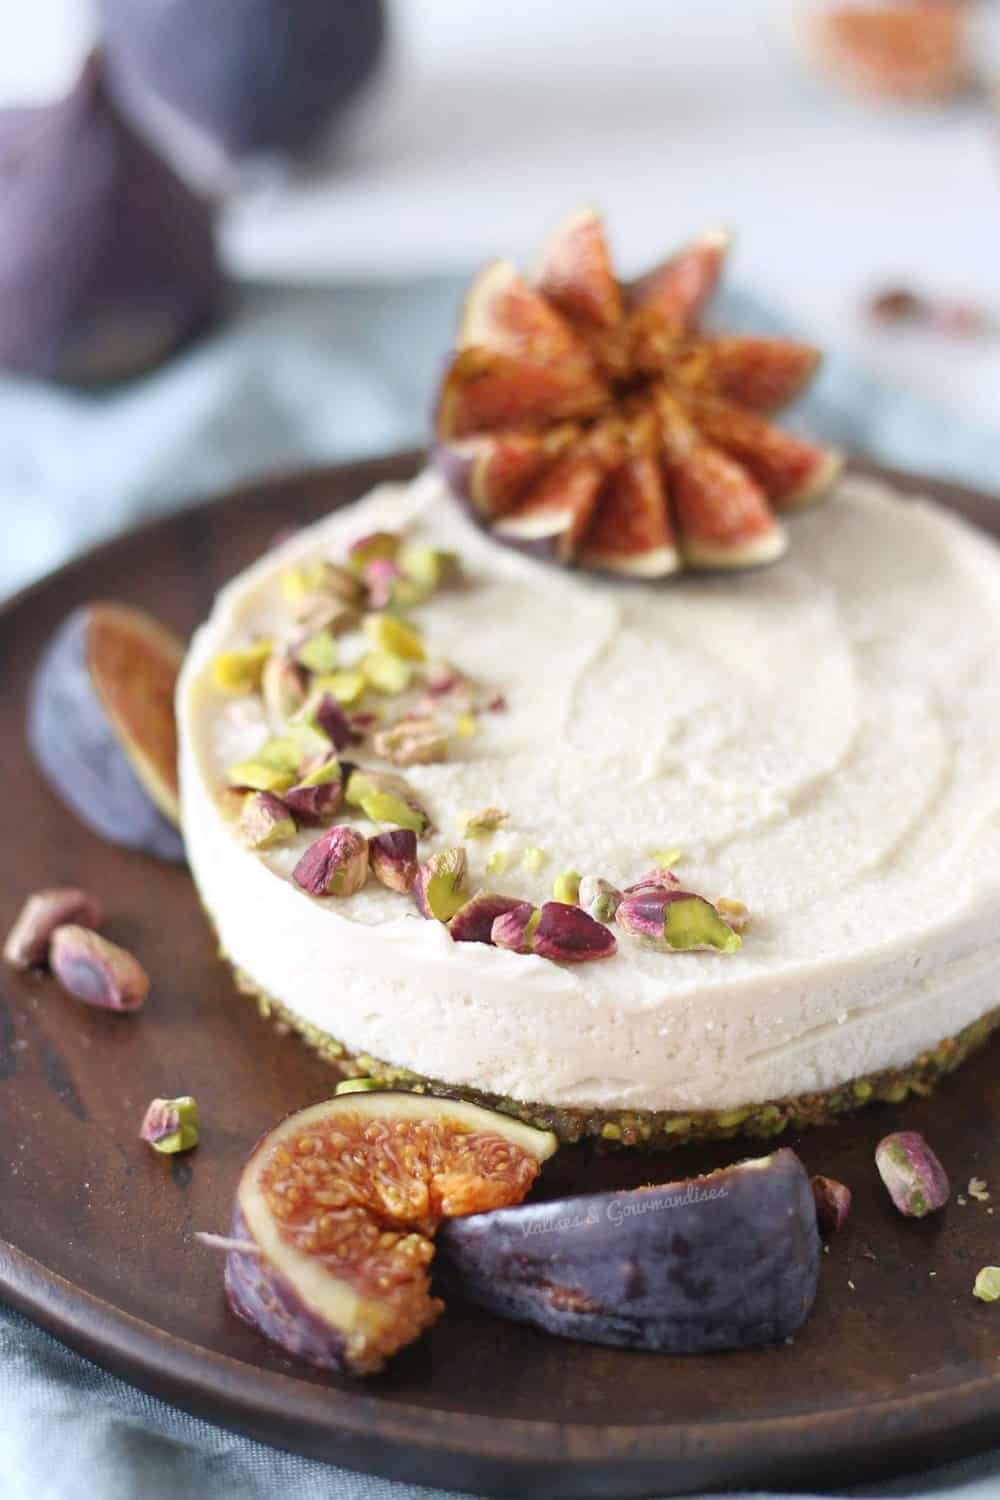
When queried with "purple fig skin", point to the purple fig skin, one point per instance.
{"points": [[473, 923], [107, 260], [660, 1268], [77, 751], [252, 75], [267, 1300]]}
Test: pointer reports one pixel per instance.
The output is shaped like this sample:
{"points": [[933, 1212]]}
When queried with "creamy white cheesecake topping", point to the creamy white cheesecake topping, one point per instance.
{"points": [[818, 737]]}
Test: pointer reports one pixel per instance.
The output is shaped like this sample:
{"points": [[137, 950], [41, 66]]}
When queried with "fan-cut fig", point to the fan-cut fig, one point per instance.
{"points": [[101, 725], [725, 1261], [337, 1207], [252, 75], [550, 422], [107, 259]]}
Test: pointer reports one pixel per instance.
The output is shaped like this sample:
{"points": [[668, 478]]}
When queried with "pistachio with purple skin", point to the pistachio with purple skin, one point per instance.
{"points": [[265, 821], [438, 885], [734, 913], [283, 686], [95, 971], [393, 858], [675, 921], [833, 1204], [171, 1125], [381, 575], [27, 945], [916, 1181], [599, 898], [335, 865], [376, 544], [568, 935], [328, 716], [318, 795], [515, 930], [473, 922]]}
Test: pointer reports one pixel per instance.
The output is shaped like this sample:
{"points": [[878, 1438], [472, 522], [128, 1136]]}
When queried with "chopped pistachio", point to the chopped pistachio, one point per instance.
{"points": [[466, 725], [283, 686], [97, 972], [387, 633], [733, 913], [286, 752], [358, 1086], [599, 897], [534, 858], [348, 687], [378, 544], [977, 1189], [497, 862], [386, 798], [430, 567], [439, 885], [240, 671], [667, 857], [335, 865], [987, 1285], [386, 673], [254, 776], [675, 921], [914, 1177], [412, 742], [566, 887], [27, 944], [319, 653], [481, 824], [304, 580], [171, 1125], [265, 821]]}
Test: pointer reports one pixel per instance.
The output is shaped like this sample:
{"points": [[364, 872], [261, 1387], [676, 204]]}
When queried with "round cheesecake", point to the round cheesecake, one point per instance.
{"points": [[817, 738]]}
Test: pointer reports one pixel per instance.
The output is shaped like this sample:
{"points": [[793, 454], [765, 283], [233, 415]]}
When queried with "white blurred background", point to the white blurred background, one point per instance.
{"points": [[494, 119]]}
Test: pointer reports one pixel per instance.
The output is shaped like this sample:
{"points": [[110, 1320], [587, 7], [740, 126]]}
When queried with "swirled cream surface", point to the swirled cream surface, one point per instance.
{"points": [[819, 738]]}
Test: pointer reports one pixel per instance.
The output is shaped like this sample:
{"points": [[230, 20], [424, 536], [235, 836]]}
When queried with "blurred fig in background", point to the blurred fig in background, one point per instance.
{"points": [[903, 51], [107, 259], [255, 76]]}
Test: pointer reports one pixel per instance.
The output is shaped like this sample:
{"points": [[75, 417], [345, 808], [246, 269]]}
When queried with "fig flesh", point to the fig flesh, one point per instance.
{"points": [[101, 725], [251, 75], [724, 1261], [336, 1210], [107, 260]]}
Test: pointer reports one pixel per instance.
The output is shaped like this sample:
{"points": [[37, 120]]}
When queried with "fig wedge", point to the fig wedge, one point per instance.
{"points": [[725, 1261], [336, 1210], [101, 725]]}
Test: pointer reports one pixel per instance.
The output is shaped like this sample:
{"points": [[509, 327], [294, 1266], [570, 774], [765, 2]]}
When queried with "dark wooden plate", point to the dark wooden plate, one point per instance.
{"points": [[899, 1365]]}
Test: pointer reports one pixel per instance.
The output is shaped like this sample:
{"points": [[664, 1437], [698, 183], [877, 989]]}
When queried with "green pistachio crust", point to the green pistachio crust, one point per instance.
{"points": [[657, 1128]]}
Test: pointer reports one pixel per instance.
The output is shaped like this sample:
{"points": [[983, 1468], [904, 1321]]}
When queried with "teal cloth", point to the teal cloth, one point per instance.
{"points": [[297, 377]]}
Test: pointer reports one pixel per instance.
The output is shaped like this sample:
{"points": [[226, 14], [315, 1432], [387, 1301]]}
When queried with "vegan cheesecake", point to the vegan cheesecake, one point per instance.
{"points": [[809, 747]]}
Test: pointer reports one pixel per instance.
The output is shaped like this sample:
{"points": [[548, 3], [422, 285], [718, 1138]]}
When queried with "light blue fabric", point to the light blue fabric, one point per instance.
{"points": [[298, 376]]}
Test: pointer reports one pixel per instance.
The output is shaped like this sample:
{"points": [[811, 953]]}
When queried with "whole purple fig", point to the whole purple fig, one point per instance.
{"points": [[107, 259], [252, 75]]}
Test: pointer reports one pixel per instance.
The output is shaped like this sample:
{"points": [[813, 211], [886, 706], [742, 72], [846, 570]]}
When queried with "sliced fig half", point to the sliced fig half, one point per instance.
{"points": [[790, 470], [725, 1261], [101, 724], [336, 1209]]}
